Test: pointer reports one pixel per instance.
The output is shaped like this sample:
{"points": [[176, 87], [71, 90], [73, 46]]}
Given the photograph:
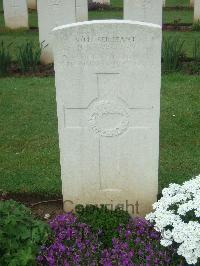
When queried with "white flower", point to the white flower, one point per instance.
{"points": [[174, 211], [47, 216], [166, 242]]}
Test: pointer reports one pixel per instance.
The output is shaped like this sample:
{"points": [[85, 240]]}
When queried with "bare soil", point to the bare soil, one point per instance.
{"points": [[43, 207], [177, 27], [41, 71]]}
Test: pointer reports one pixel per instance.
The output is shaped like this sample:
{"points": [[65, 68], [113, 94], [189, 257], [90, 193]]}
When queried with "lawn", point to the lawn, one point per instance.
{"points": [[28, 139], [29, 143], [29, 157], [178, 16], [184, 3]]}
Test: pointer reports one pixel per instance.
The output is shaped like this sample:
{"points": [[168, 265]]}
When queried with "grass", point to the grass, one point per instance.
{"points": [[177, 3], [179, 128], [180, 16], [93, 15], [29, 158]]}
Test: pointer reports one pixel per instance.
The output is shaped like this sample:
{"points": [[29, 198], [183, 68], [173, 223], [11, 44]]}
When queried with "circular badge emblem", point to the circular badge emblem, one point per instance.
{"points": [[109, 118]]}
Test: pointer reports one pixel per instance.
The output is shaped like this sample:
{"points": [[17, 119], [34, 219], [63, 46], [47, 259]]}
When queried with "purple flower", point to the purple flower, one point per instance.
{"points": [[137, 244], [140, 253], [128, 234], [74, 243], [70, 244]]}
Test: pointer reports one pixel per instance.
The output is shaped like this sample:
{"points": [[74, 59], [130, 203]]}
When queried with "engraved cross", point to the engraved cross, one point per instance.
{"points": [[109, 117]]}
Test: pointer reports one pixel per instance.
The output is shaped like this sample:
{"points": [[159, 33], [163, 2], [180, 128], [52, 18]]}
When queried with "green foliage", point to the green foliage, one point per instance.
{"points": [[21, 235], [5, 59], [196, 50], [176, 22], [196, 26], [28, 56], [172, 54], [104, 220]]}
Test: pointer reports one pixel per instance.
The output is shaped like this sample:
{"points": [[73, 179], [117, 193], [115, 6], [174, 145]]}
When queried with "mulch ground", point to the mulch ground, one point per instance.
{"points": [[41, 71], [177, 27], [43, 207]]}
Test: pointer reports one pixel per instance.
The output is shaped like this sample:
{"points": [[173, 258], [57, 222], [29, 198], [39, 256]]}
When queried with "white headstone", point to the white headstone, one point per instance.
{"points": [[81, 10], [15, 13], [143, 10], [196, 10], [53, 13], [108, 103], [32, 4]]}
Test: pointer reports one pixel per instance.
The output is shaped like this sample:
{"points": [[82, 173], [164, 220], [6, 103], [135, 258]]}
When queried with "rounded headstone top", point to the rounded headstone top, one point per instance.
{"points": [[110, 21]]}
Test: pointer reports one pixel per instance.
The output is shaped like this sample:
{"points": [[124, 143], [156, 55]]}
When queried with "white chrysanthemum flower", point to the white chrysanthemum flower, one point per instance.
{"points": [[165, 242], [179, 210]]}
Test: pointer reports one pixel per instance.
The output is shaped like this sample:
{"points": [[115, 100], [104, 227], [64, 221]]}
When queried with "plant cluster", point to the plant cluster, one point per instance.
{"points": [[5, 58], [196, 50], [20, 234], [74, 243], [28, 57], [99, 236], [177, 216], [71, 243], [196, 26], [137, 244], [103, 220], [172, 54]]}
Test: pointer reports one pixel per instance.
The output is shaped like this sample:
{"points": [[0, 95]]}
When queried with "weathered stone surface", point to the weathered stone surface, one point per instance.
{"points": [[81, 10], [108, 103], [53, 13], [15, 13], [144, 10], [196, 10]]}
